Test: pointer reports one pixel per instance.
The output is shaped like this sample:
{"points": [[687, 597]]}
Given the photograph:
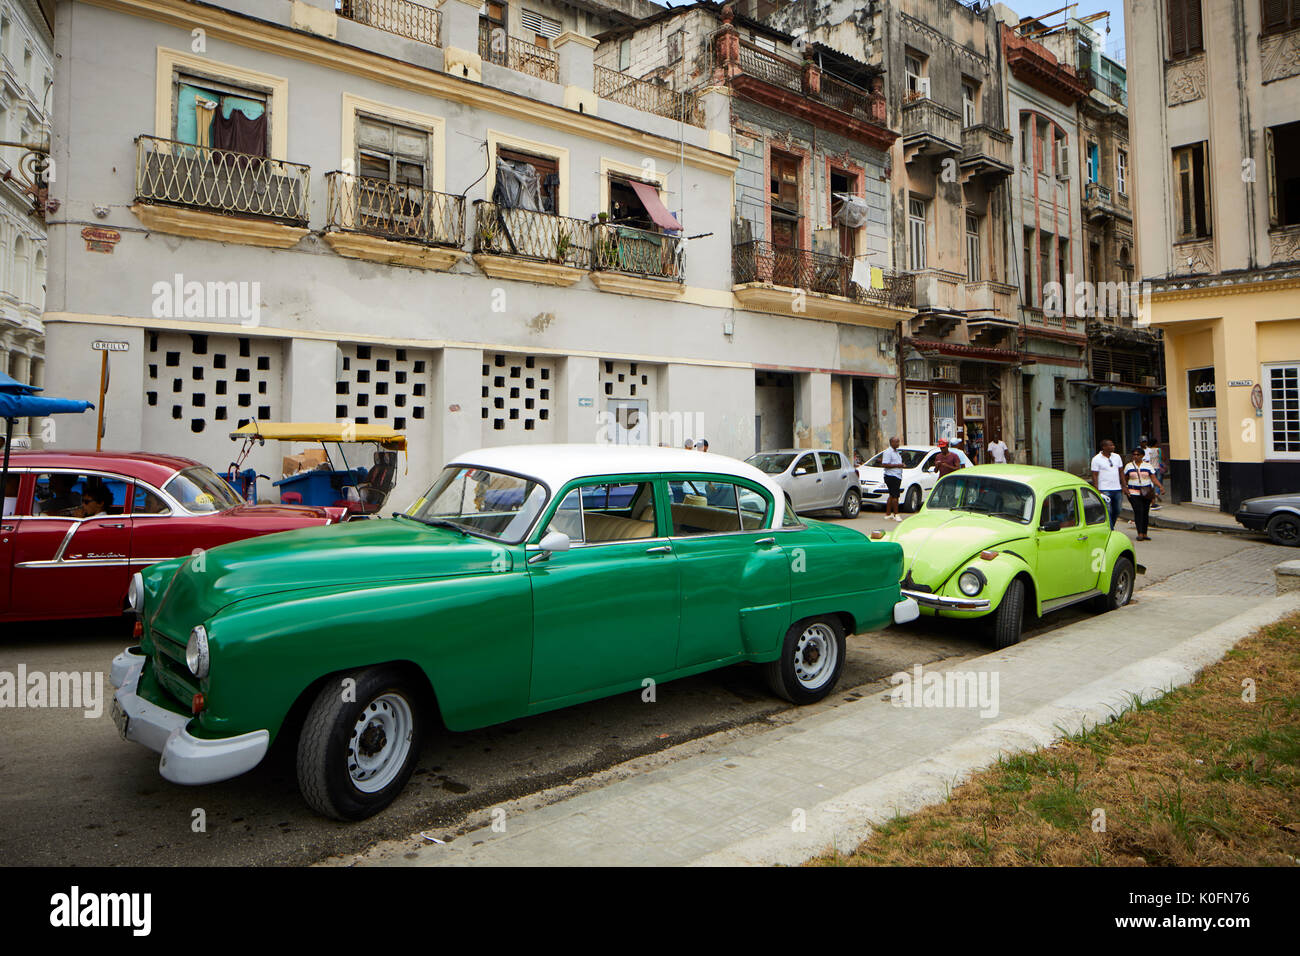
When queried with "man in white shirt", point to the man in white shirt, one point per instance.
{"points": [[998, 451], [892, 462], [1107, 467]]}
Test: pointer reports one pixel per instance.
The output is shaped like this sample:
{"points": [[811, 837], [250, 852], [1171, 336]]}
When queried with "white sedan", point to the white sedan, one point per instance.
{"points": [[919, 476]]}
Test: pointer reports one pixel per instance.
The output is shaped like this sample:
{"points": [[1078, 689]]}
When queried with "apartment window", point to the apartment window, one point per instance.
{"points": [[1027, 139], [492, 17], [918, 84], [1121, 171], [1184, 28], [1062, 156], [391, 153], [1094, 262], [1282, 409], [783, 196], [844, 184], [1191, 193], [1044, 260], [1062, 262], [543, 28], [1094, 162], [626, 207], [1279, 15], [972, 249], [1044, 146], [209, 113], [969, 93], [544, 171], [916, 234], [675, 46], [624, 54], [1282, 145], [1027, 290]]}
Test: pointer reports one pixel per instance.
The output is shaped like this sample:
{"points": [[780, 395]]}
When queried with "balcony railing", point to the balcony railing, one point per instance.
{"points": [[845, 97], [392, 211], [985, 147], [1105, 86], [637, 251], [496, 46], [220, 180], [524, 234], [925, 120], [760, 261], [648, 97], [401, 17], [770, 67]]}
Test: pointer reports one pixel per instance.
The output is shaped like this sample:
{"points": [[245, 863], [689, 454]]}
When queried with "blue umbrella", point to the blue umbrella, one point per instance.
{"points": [[21, 401]]}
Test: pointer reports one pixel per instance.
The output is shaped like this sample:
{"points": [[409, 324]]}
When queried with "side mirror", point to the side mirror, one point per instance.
{"points": [[551, 542], [1050, 526], [932, 469], [800, 471]]}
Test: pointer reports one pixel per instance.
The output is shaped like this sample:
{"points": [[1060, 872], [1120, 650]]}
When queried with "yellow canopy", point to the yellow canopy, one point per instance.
{"points": [[324, 431]]}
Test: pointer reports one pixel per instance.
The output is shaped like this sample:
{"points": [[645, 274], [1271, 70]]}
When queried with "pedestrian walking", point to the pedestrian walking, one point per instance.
{"points": [[1141, 483], [1106, 469], [893, 465], [998, 451]]}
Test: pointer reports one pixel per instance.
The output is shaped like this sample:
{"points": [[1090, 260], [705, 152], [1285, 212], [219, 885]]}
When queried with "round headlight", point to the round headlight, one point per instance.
{"points": [[135, 594], [196, 652], [970, 583]]}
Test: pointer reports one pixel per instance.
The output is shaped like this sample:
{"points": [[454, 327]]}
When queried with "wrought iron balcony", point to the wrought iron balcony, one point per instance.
{"points": [[930, 129], [392, 211], [986, 151], [648, 97], [403, 18], [637, 251], [1098, 202], [220, 180], [1105, 86], [816, 272], [524, 234], [496, 46]]}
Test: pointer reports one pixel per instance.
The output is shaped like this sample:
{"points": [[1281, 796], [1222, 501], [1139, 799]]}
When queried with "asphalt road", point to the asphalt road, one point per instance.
{"points": [[72, 792]]}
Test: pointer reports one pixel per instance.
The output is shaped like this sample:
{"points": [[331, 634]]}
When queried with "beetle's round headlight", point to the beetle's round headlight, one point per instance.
{"points": [[135, 594], [196, 652], [971, 582]]}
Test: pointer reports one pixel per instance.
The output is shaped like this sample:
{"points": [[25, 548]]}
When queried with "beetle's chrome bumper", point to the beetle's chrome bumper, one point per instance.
{"points": [[185, 758], [926, 599]]}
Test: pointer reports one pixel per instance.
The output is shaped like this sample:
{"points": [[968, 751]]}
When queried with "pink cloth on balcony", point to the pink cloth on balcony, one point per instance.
{"points": [[649, 197]]}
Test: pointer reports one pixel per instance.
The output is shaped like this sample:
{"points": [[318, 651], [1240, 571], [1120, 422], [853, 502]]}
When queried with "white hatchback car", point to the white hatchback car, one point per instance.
{"points": [[919, 476]]}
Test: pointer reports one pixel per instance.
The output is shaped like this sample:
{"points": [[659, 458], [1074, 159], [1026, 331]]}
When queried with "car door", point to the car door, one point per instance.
{"points": [[927, 473], [735, 576], [605, 612], [8, 534], [1063, 557], [156, 534], [805, 483], [66, 565], [1096, 525], [835, 477]]}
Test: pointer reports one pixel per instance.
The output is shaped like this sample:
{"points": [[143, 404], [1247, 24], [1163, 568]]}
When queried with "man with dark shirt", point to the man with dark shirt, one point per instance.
{"points": [[946, 461]]}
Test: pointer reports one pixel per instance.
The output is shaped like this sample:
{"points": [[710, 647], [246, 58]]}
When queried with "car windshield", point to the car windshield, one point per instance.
{"points": [[983, 495], [912, 457], [772, 463], [199, 489], [479, 501]]}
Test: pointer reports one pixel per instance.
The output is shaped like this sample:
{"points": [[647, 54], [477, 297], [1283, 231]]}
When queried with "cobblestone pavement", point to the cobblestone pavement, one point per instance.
{"points": [[1247, 573]]}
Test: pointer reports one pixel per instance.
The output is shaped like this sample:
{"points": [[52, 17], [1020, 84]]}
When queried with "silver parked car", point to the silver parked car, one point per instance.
{"points": [[1279, 515], [813, 479]]}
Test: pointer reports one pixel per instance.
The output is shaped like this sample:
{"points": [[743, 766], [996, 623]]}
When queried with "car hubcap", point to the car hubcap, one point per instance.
{"points": [[381, 740], [1124, 588], [853, 504], [1288, 530], [815, 656]]}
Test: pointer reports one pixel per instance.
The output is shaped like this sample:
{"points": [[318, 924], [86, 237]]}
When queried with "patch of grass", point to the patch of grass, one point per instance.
{"points": [[1200, 776]]}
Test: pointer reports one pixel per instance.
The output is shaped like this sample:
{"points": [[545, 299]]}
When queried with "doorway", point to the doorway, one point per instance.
{"points": [[1205, 458]]}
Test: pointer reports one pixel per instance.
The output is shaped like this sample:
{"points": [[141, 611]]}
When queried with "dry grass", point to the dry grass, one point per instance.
{"points": [[1198, 777]]}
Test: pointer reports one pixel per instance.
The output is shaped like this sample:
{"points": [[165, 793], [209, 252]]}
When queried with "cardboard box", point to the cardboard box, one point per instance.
{"points": [[307, 460]]}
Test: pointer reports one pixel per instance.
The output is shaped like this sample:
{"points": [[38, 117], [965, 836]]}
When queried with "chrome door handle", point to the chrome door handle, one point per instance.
{"points": [[1082, 537], [765, 541], [661, 549], [111, 526], [8, 527]]}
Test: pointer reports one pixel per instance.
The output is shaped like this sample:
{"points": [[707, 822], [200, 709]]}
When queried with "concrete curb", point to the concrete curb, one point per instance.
{"points": [[847, 819]]}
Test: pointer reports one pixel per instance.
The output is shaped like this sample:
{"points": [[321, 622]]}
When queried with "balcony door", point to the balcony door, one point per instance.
{"points": [[392, 163], [786, 205], [214, 114]]}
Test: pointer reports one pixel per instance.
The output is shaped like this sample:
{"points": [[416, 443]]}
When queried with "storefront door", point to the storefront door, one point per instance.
{"points": [[1205, 458]]}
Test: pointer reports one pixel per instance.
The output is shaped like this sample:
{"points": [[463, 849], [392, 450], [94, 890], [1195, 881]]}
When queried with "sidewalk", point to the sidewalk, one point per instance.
{"points": [[860, 763], [1187, 517]]}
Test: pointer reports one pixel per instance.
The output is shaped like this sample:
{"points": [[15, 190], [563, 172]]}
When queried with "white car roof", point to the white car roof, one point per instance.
{"points": [[556, 464]]}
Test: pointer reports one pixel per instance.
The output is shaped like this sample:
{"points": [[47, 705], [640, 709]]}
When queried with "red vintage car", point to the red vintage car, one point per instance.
{"points": [[78, 525]]}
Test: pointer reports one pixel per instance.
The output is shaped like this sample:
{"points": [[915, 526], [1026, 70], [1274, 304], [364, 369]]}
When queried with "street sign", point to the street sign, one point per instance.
{"points": [[110, 346], [1240, 382]]}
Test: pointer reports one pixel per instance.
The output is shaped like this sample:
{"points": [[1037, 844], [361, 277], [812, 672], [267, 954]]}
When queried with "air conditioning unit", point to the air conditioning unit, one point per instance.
{"points": [[1115, 377], [945, 373], [1149, 381]]}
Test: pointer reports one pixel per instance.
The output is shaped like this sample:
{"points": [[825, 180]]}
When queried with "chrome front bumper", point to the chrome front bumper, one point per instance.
{"points": [[927, 599], [185, 758]]}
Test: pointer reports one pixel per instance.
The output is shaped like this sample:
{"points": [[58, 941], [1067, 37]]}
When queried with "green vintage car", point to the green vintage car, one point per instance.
{"points": [[526, 579], [994, 540]]}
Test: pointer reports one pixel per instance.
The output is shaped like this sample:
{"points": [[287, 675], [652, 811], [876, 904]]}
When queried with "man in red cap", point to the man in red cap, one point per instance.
{"points": [[946, 461]]}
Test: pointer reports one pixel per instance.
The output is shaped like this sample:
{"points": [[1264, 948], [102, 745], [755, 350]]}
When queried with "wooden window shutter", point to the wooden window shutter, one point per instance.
{"points": [[1177, 27], [1274, 13], [1183, 193], [1194, 44], [1270, 161]]}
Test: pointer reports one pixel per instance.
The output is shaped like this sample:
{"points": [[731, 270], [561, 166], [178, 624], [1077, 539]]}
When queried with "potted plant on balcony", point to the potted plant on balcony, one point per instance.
{"points": [[563, 243]]}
